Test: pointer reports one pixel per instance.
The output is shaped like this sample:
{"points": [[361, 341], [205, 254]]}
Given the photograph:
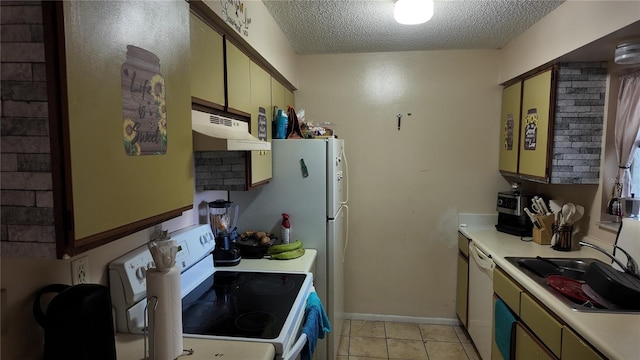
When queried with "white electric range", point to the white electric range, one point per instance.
{"points": [[217, 303]]}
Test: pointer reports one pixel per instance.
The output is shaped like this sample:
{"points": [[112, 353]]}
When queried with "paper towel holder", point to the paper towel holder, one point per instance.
{"points": [[146, 324]]}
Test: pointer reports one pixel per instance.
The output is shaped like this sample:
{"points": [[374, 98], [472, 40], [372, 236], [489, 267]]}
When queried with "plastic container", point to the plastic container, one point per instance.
{"points": [[286, 228], [282, 121]]}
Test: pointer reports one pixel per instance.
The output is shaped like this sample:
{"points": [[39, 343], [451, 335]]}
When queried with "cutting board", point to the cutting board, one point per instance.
{"points": [[629, 240]]}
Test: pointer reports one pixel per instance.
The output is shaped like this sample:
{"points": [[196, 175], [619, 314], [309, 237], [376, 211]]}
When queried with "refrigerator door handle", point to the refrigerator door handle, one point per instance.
{"points": [[346, 175], [346, 234]]}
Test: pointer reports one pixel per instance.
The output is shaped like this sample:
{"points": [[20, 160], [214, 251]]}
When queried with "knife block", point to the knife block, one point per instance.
{"points": [[543, 236]]}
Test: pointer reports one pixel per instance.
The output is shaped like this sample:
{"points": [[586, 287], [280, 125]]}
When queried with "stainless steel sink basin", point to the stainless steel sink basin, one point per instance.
{"points": [[537, 269]]}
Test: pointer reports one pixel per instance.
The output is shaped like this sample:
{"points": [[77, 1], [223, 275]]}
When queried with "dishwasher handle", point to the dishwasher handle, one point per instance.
{"points": [[483, 260]]}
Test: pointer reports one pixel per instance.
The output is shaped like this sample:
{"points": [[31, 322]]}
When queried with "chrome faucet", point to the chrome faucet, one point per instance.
{"points": [[631, 267]]}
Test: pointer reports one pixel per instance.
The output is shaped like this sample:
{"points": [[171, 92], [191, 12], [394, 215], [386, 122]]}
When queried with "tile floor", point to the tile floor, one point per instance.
{"points": [[376, 340]]}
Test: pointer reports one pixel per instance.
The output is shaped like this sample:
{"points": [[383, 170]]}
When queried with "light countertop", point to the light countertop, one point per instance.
{"points": [[131, 347], [305, 263], [617, 336]]}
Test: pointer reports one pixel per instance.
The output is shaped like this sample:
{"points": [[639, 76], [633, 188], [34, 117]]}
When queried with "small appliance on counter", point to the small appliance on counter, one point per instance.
{"points": [[223, 217], [77, 323], [624, 207], [512, 218]]}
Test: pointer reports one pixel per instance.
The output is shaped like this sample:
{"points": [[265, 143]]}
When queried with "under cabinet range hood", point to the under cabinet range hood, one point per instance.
{"points": [[212, 132]]}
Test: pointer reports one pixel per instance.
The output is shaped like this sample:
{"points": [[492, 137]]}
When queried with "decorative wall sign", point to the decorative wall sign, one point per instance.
{"points": [[262, 124], [144, 110], [508, 132], [531, 129], [234, 13]]}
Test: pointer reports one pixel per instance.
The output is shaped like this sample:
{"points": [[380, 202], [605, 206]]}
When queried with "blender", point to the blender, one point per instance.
{"points": [[223, 215]]}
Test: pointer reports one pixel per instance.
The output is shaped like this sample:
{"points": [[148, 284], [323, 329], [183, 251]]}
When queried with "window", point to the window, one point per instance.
{"points": [[635, 174]]}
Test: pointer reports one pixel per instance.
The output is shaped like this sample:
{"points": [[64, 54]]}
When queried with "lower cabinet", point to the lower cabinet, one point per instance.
{"points": [[574, 348], [539, 334], [462, 287], [542, 323], [528, 347]]}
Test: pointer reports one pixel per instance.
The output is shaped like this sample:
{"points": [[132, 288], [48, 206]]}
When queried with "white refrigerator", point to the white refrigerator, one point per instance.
{"points": [[310, 184]]}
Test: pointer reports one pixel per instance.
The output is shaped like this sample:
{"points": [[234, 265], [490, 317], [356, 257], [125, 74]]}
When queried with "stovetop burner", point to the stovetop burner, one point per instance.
{"points": [[270, 285], [241, 304], [255, 321]]}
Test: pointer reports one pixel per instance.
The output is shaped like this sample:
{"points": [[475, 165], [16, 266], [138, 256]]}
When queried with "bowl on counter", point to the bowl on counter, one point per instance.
{"points": [[252, 248]]}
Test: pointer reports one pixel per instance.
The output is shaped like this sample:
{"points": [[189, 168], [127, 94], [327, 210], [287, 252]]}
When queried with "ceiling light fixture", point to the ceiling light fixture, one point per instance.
{"points": [[627, 54], [413, 12]]}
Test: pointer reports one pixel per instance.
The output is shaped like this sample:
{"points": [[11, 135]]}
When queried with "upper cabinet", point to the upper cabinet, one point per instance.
{"points": [[551, 124], [238, 79], [281, 97], [122, 108], [510, 128], [207, 64], [260, 169], [535, 126]]}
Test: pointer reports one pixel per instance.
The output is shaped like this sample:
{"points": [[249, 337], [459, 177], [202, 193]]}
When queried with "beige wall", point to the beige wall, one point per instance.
{"points": [[407, 186], [572, 25]]}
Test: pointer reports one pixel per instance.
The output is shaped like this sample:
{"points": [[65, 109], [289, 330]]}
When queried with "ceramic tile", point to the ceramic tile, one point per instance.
{"points": [[471, 351], [367, 328], [438, 333], [377, 340], [463, 336], [343, 346], [406, 349], [445, 351], [398, 330], [346, 328], [368, 346]]}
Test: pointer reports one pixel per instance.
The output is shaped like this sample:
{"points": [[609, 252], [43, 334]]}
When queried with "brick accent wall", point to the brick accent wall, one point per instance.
{"points": [[26, 199], [579, 119], [220, 170]]}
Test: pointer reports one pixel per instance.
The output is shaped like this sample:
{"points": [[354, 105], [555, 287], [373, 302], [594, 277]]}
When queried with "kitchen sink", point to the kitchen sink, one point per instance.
{"points": [[538, 268]]}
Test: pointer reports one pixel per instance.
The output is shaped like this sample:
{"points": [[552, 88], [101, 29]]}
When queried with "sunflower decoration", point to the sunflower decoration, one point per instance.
{"points": [[532, 118], [135, 150], [162, 128], [130, 134], [157, 88]]}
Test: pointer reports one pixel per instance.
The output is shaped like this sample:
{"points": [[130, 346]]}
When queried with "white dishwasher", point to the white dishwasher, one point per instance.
{"points": [[480, 312]]}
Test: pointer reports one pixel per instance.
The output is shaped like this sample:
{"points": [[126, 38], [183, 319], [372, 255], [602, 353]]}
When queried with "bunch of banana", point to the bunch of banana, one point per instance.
{"points": [[286, 251]]}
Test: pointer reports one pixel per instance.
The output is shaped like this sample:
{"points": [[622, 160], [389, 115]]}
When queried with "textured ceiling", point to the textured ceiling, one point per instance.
{"points": [[356, 26]]}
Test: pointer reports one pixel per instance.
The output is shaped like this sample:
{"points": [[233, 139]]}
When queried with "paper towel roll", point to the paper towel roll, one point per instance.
{"points": [[165, 322]]}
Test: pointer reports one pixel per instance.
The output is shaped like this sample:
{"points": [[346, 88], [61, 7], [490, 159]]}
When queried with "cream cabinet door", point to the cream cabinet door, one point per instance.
{"points": [[238, 79], [207, 62], [535, 128], [289, 99], [574, 348], [277, 96], [510, 128], [260, 161], [462, 288], [542, 323], [119, 180], [528, 347]]}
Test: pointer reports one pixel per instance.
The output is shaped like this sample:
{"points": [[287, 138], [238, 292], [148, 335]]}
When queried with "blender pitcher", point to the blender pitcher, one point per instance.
{"points": [[223, 215]]}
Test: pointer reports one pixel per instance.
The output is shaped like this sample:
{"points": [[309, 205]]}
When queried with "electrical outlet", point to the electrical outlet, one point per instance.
{"points": [[80, 270]]}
